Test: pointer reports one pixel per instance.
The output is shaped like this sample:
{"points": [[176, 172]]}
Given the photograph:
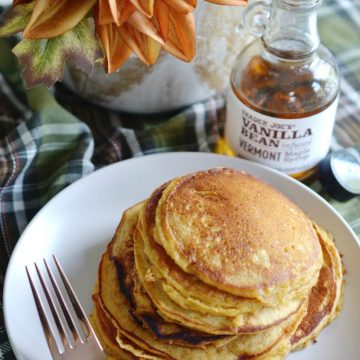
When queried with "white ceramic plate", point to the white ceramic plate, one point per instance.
{"points": [[78, 223]]}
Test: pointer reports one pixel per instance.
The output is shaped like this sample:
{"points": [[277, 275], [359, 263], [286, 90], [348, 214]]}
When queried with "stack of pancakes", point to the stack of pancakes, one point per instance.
{"points": [[215, 265]]}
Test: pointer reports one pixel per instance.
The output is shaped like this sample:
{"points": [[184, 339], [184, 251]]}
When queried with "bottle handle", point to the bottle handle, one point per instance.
{"points": [[255, 18]]}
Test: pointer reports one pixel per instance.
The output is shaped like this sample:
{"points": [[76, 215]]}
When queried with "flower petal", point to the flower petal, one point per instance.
{"points": [[162, 16], [121, 10], [115, 49], [181, 42], [183, 6], [146, 48], [104, 13], [229, 2], [51, 18], [141, 23], [144, 6]]}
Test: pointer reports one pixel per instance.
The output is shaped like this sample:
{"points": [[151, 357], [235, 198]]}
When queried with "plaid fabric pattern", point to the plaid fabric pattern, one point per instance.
{"points": [[119, 137], [47, 144], [339, 27]]}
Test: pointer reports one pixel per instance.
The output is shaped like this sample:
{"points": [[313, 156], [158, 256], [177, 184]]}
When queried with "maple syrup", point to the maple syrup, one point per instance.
{"points": [[284, 92]]}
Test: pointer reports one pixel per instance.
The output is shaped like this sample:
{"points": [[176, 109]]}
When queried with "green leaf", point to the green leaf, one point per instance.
{"points": [[15, 19], [44, 59]]}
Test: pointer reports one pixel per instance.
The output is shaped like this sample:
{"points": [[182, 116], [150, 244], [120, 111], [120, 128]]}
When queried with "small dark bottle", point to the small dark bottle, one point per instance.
{"points": [[339, 173]]}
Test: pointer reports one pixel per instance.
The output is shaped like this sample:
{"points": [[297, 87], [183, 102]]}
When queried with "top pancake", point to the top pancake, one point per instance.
{"points": [[242, 315], [237, 233]]}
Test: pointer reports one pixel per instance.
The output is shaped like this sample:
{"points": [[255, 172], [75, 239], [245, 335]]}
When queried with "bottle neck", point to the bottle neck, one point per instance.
{"points": [[292, 28]]}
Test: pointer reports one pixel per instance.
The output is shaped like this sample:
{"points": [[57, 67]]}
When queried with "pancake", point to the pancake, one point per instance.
{"points": [[189, 293], [117, 310], [325, 298], [208, 297], [118, 346], [238, 234], [261, 319], [141, 308], [107, 334]]}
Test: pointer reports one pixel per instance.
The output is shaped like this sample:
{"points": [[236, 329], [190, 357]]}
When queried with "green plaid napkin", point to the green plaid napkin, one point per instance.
{"points": [[47, 144]]}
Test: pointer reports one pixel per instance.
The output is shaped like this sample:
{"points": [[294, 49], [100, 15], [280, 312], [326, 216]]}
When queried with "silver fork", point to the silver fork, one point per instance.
{"points": [[72, 328]]}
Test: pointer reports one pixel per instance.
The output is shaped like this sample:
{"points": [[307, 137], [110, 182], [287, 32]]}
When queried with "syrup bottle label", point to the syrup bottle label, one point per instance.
{"points": [[288, 145]]}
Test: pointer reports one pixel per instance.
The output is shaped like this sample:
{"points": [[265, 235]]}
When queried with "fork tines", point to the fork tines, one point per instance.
{"points": [[67, 330]]}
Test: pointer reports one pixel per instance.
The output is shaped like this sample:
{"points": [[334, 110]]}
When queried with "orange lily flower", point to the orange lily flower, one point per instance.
{"points": [[145, 36], [143, 27]]}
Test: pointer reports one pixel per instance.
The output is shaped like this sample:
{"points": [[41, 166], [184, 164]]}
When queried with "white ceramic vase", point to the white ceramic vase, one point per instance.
{"points": [[169, 84]]}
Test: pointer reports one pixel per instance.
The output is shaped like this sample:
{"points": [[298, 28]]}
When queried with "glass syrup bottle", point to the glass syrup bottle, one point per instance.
{"points": [[284, 90]]}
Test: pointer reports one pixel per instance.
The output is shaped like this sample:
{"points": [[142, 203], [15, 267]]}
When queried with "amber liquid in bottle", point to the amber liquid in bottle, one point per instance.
{"points": [[284, 89], [281, 92]]}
